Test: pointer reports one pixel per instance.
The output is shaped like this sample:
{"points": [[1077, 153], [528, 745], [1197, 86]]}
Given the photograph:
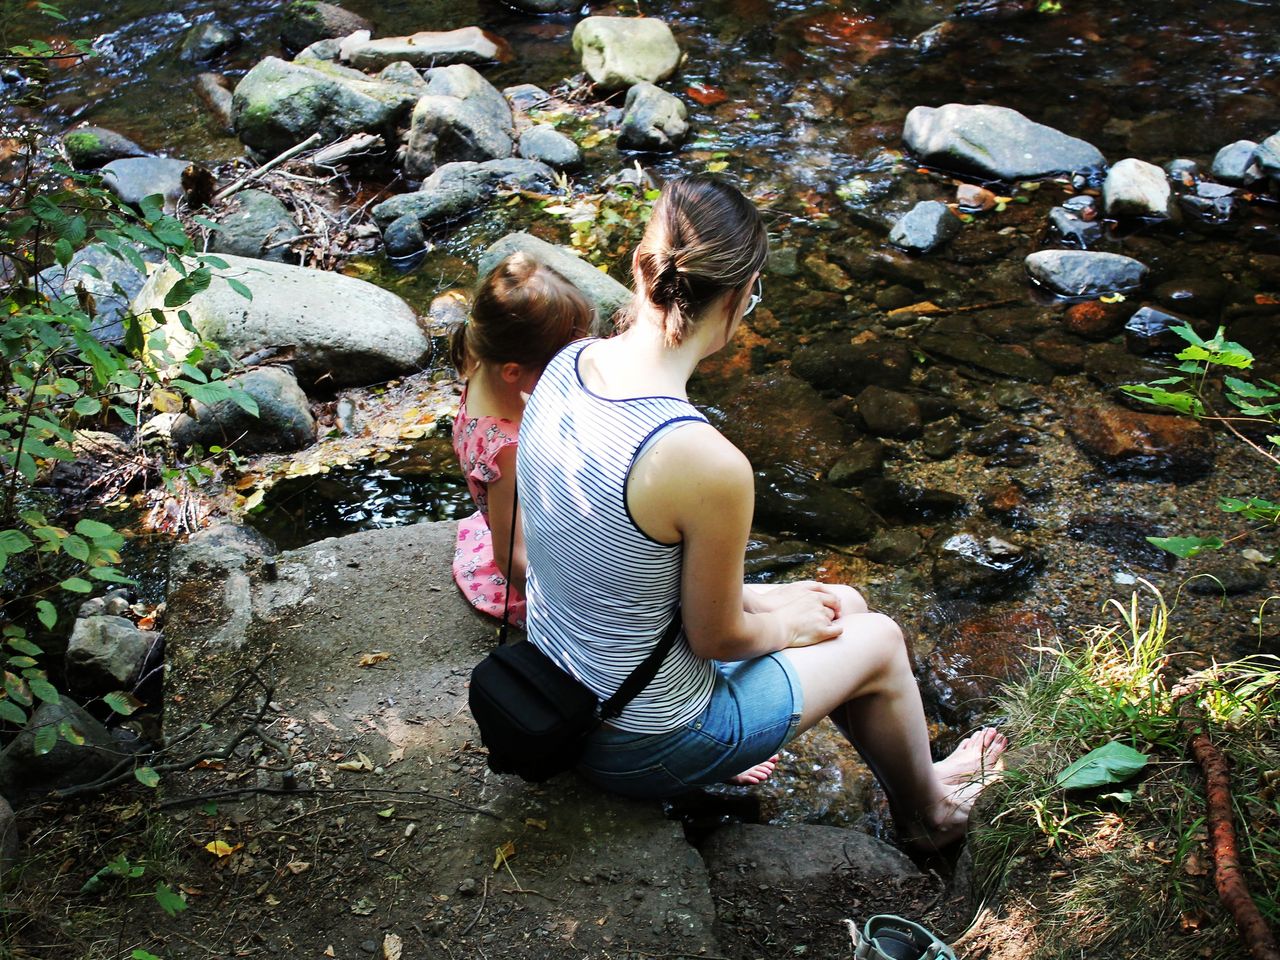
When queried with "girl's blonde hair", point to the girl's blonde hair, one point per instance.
{"points": [[524, 312], [703, 238]]}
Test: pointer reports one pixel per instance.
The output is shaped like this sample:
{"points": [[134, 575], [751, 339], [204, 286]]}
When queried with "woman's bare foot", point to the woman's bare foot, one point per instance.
{"points": [[961, 776], [757, 774]]}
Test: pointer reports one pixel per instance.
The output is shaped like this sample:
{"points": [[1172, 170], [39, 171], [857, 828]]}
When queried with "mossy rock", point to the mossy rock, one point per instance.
{"points": [[89, 148], [308, 21]]}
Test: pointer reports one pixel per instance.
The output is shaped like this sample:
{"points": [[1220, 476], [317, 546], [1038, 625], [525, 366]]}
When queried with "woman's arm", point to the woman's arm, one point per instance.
{"points": [[502, 493], [696, 487]]}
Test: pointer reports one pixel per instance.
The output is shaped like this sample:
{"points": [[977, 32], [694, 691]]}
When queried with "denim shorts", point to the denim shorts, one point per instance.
{"points": [[754, 709]]}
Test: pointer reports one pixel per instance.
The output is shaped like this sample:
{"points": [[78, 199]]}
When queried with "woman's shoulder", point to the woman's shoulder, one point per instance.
{"points": [[702, 451]]}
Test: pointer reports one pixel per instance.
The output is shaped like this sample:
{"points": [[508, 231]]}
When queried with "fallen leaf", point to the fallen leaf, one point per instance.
{"points": [[1264, 298], [924, 306], [359, 764], [1194, 866], [717, 166], [297, 866], [705, 95], [363, 907], [220, 848], [531, 822], [395, 756], [392, 946], [329, 951], [388, 813], [1112, 298], [369, 659], [504, 853]]}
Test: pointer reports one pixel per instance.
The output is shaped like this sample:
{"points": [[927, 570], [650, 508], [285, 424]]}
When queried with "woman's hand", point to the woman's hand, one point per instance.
{"points": [[810, 616], [766, 598]]}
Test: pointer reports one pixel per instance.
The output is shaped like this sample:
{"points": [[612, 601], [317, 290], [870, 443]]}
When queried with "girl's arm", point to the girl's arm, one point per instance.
{"points": [[502, 494], [696, 487]]}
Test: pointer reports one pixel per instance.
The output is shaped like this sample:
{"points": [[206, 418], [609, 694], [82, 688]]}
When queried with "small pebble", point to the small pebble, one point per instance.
{"points": [[368, 946], [1254, 556], [468, 887]]}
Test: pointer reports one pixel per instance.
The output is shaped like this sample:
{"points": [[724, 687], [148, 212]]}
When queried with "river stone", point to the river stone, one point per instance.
{"points": [[791, 502], [24, 775], [1073, 229], [106, 653], [653, 119], [212, 88], [978, 351], [10, 841], [1150, 330], [1200, 297], [284, 420], [888, 413], [1095, 320], [927, 226], [1268, 156], [975, 566], [1124, 536], [1183, 171], [134, 178], [405, 74], [1218, 574], [994, 142], [1083, 273], [813, 438], [618, 52], [606, 294], [545, 143], [404, 236], [431, 49], [278, 104], [1135, 188], [457, 190], [1131, 443], [344, 331], [862, 460], [91, 147], [307, 21], [462, 117], [255, 225], [326, 51], [525, 96], [840, 365], [208, 41], [112, 271], [1236, 164], [900, 502], [1212, 204], [896, 546]]}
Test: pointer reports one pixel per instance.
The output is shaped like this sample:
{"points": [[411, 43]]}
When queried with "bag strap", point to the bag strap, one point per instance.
{"points": [[640, 677]]}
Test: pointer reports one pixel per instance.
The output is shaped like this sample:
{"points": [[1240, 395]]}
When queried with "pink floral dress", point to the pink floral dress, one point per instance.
{"points": [[477, 442]]}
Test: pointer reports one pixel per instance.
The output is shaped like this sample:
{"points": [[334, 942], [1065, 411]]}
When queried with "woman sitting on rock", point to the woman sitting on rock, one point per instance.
{"points": [[637, 510]]}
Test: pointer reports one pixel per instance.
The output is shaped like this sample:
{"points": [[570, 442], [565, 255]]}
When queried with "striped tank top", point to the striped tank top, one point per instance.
{"points": [[601, 593]]}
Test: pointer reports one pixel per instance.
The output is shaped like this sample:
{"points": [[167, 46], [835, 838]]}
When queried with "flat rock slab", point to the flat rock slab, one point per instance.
{"points": [[431, 49]]}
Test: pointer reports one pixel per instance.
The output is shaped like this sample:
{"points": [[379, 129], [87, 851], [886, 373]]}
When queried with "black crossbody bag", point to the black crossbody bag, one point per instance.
{"points": [[534, 718]]}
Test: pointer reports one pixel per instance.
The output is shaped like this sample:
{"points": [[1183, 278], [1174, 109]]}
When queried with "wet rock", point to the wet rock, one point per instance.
{"points": [[24, 774], [1211, 204], [326, 51], [813, 439], [1065, 354], [283, 422], [1124, 536], [1094, 319], [1135, 188], [654, 119], [89, 148], [993, 9], [941, 440], [135, 178], [1219, 574], [1080, 273], [458, 190], [978, 351], [525, 96], [606, 294], [210, 594], [214, 90], [1073, 229], [889, 413], [974, 566], [895, 546], [463, 117], [895, 296], [1132, 443], [1001, 440], [1007, 503], [1268, 156], [106, 653], [1236, 164], [547, 6], [618, 52], [344, 331], [847, 367], [10, 841], [936, 39], [1149, 331], [862, 460], [404, 236], [307, 21], [207, 41], [974, 199], [1183, 171], [545, 143], [1199, 297], [99, 271], [792, 503], [973, 658], [994, 141], [926, 227], [256, 224], [430, 49], [767, 555], [278, 104], [1111, 367], [904, 503]]}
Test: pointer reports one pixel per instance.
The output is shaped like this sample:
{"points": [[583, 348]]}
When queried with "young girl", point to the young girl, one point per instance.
{"points": [[524, 312]]}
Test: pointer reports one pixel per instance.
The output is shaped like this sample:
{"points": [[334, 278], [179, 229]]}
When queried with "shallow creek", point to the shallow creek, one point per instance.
{"points": [[807, 113]]}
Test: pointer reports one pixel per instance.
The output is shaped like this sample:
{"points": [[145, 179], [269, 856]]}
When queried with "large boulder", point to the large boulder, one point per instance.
{"points": [[458, 190], [789, 501], [343, 331], [91, 147], [618, 52], [1126, 442], [606, 294], [927, 226], [279, 104], [256, 225], [133, 179], [308, 21], [430, 49], [653, 119], [210, 586], [283, 421], [106, 653], [994, 142], [25, 774], [100, 272], [1084, 273], [1135, 188], [461, 117]]}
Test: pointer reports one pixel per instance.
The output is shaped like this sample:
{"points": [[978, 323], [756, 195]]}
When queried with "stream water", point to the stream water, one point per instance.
{"points": [[806, 109]]}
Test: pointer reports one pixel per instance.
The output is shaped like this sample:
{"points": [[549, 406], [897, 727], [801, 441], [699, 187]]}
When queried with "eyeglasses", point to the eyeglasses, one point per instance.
{"points": [[756, 297]]}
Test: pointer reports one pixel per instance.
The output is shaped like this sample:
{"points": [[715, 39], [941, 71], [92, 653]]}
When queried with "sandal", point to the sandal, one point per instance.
{"points": [[886, 937]]}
